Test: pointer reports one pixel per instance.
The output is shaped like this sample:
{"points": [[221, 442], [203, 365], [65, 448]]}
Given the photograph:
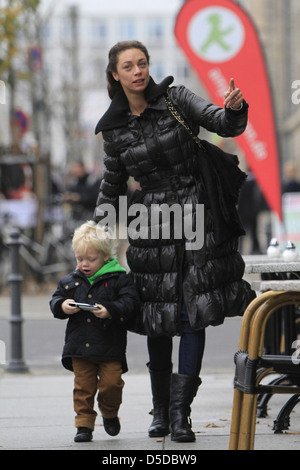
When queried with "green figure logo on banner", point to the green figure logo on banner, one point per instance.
{"points": [[217, 34]]}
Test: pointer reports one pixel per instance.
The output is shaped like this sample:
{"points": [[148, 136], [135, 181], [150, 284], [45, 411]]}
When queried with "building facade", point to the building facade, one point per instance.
{"points": [[277, 23], [76, 42], [75, 38]]}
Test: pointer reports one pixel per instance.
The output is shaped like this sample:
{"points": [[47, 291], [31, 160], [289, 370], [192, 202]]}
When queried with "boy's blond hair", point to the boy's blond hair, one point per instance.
{"points": [[93, 235]]}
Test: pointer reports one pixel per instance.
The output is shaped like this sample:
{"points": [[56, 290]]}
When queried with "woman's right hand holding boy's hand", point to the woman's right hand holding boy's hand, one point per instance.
{"points": [[68, 309]]}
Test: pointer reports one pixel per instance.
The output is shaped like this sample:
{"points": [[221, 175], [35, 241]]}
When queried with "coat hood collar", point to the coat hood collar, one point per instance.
{"points": [[118, 113], [111, 266]]}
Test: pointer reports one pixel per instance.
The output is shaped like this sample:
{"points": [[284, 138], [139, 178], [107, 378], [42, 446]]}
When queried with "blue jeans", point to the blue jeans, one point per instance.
{"points": [[191, 349]]}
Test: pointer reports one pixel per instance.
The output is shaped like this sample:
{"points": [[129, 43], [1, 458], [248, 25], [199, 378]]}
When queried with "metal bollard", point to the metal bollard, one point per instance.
{"points": [[16, 363]]}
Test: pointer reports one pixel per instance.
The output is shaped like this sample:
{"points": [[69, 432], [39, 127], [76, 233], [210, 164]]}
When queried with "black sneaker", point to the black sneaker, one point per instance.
{"points": [[83, 435], [112, 426]]}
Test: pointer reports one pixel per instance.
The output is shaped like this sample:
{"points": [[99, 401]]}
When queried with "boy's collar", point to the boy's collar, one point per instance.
{"points": [[110, 267]]}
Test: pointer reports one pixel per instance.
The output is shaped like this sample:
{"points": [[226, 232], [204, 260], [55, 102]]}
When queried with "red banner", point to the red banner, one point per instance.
{"points": [[221, 43]]}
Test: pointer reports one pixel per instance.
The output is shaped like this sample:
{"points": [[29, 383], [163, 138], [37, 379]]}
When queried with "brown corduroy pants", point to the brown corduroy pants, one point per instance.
{"points": [[91, 376]]}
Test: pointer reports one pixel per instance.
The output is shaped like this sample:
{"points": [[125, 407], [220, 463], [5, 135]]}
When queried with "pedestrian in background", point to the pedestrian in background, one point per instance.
{"points": [[251, 204], [82, 192], [291, 184], [95, 341], [182, 291]]}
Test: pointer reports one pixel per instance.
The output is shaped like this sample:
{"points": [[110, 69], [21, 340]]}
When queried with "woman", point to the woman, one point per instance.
{"points": [[182, 290]]}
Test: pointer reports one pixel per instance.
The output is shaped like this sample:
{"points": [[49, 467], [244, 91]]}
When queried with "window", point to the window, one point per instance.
{"points": [[46, 31], [157, 71], [127, 29], [155, 30], [182, 70], [96, 72], [99, 30]]}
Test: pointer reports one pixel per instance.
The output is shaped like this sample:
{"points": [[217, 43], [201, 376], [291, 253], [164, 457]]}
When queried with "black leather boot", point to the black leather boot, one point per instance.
{"points": [[183, 390], [83, 435], [112, 426], [160, 385]]}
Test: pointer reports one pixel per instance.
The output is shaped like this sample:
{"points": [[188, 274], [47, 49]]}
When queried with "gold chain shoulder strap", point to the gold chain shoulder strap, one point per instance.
{"points": [[180, 119]]}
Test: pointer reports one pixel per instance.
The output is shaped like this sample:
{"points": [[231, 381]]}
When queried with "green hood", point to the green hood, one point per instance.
{"points": [[110, 266]]}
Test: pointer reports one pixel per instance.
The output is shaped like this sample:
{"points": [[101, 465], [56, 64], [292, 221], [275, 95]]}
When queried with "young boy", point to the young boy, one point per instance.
{"points": [[95, 340]]}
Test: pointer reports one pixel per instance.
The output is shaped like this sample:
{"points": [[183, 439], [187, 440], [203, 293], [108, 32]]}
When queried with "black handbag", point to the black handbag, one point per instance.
{"points": [[223, 180]]}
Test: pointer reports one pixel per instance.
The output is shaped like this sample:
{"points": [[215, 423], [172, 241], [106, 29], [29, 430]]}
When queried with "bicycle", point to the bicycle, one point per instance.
{"points": [[47, 260]]}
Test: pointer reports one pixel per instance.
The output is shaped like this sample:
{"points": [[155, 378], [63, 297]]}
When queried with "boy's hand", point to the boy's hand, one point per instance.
{"points": [[101, 312], [68, 309]]}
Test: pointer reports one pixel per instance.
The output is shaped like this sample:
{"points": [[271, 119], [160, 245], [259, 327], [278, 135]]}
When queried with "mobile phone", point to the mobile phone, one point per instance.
{"points": [[83, 306]]}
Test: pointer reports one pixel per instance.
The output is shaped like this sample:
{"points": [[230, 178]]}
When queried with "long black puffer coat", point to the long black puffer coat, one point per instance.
{"points": [[158, 152]]}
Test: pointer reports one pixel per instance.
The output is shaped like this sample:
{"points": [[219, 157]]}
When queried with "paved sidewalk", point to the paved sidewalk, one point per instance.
{"points": [[36, 414], [36, 408]]}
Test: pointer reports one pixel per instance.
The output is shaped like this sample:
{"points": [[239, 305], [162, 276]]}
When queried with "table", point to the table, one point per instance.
{"points": [[277, 275], [279, 289], [263, 264]]}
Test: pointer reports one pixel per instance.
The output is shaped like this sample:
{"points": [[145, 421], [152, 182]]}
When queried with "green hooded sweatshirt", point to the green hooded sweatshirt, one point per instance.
{"points": [[112, 265]]}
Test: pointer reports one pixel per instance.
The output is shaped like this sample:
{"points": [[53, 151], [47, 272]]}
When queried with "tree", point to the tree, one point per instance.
{"points": [[13, 23]]}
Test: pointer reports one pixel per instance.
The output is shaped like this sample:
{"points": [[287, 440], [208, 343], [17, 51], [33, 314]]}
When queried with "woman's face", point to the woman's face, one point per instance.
{"points": [[132, 71]]}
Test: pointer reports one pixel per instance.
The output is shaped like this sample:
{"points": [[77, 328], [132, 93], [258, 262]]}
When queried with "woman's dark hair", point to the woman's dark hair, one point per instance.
{"points": [[113, 85]]}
